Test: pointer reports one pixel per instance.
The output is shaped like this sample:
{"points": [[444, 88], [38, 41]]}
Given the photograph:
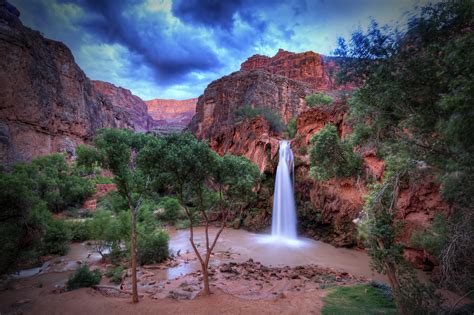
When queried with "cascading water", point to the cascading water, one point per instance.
{"points": [[284, 212]]}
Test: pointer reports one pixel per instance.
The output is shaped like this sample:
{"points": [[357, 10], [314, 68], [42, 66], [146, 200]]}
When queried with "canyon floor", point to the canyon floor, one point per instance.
{"points": [[248, 275]]}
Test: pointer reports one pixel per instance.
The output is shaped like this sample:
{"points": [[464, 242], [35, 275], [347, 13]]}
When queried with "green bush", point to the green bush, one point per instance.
{"points": [[434, 238], [153, 248], [273, 118], [182, 224], [115, 274], [112, 201], [171, 208], [303, 150], [318, 99], [80, 230], [291, 127], [83, 277], [57, 238], [330, 157]]}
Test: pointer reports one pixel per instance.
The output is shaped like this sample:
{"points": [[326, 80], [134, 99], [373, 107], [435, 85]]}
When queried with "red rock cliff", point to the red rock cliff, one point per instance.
{"points": [[308, 67], [132, 104], [172, 115], [216, 107], [47, 103]]}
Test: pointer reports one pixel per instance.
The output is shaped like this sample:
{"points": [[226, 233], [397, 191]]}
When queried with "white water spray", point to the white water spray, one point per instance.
{"points": [[284, 212]]}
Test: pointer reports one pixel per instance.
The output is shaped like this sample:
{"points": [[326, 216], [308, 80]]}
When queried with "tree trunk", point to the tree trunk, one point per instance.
{"points": [[395, 285], [134, 259], [205, 276]]}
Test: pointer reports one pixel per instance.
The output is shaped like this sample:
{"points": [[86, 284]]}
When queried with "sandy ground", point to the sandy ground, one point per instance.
{"points": [[28, 298], [273, 284]]}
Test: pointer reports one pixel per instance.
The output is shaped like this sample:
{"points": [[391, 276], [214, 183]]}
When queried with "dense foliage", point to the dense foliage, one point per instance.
{"points": [[318, 99], [83, 277], [29, 193], [415, 107], [330, 157], [272, 117]]}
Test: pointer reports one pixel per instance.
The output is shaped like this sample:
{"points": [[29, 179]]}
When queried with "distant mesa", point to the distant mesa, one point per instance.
{"points": [[171, 115], [310, 67]]}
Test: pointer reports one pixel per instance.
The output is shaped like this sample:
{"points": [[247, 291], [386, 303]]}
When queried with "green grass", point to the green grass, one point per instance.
{"points": [[359, 299]]}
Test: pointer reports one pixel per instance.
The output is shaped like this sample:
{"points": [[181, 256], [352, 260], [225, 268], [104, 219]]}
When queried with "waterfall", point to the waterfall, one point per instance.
{"points": [[284, 212]]}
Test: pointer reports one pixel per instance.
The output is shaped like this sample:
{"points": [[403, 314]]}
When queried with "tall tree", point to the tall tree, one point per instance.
{"points": [[117, 150], [189, 168]]}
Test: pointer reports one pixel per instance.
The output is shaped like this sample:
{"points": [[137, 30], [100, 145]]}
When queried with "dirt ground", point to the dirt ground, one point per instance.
{"points": [[28, 298]]}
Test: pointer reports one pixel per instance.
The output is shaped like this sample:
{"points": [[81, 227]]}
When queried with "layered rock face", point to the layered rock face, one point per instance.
{"points": [[308, 67], [216, 108], [124, 99], [171, 115], [47, 104]]}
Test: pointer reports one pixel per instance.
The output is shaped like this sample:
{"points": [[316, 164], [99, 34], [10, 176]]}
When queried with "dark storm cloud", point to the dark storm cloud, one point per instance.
{"points": [[171, 58]]}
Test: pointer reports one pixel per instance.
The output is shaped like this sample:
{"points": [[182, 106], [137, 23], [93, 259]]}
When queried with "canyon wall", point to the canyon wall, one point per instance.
{"points": [[171, 115], [124, 99], [216, 108], [47, 103]]}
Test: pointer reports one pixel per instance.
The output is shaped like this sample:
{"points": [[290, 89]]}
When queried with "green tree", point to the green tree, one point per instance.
{"points": [[116, 150], [187, 167], [318, 99], [416, 98], [330, 157]]}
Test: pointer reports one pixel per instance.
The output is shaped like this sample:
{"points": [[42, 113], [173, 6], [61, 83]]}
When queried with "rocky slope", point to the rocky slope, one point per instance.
{"points": [[171, 115], [47, 103], [315, 69], [216, 108], [124, 99]]}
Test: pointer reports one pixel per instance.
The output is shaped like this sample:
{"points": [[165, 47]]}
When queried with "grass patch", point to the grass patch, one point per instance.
{"points": [[359, 299]]}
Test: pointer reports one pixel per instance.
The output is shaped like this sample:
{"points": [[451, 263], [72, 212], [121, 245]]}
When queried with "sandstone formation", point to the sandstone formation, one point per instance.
{"points": [[124, 99], [315, 69], [47, 103], [171, 115], [216, 108]]}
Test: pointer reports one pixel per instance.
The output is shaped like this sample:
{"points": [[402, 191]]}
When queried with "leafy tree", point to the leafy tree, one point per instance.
{"points": [[188, 167], [116, 150], [416, 99], [318, 99], [330, 157], [171, 209], [57, 238]]}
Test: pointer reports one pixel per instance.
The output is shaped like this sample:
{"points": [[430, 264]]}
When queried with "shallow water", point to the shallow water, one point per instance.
{"points": [[270, 252]]}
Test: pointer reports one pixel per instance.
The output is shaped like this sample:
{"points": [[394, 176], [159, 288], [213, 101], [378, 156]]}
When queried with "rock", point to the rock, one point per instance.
{"points": [[21, 302], [125, 100], [171, 115], [47, 102], [308, 67]]}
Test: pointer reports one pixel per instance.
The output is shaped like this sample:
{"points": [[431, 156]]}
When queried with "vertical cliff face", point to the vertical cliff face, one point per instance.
{"points": [[216, 108], [308, 67], [123, 99], [171, 115], [47, 104]]}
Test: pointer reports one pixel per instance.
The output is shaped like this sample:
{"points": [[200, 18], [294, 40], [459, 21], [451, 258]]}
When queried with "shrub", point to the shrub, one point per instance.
{"points": [[182, 224], [303, 150], [153, 248], [115, 274], [330, 157], [83, 277], [112, 201], [434, 238], [80, 230], [273, 118], [171, 208], [291, 127], [57, 238], [318, 99]]}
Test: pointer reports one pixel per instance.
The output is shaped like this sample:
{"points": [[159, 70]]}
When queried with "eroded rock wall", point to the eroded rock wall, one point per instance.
{"points": [[47, 104]]}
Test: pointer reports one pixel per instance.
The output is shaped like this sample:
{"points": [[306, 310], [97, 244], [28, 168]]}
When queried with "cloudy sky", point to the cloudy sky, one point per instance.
{"points": [[174, 49]]}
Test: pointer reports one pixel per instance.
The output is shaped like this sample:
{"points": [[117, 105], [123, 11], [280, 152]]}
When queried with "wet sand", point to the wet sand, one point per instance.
{"points": [[233, 293]]}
